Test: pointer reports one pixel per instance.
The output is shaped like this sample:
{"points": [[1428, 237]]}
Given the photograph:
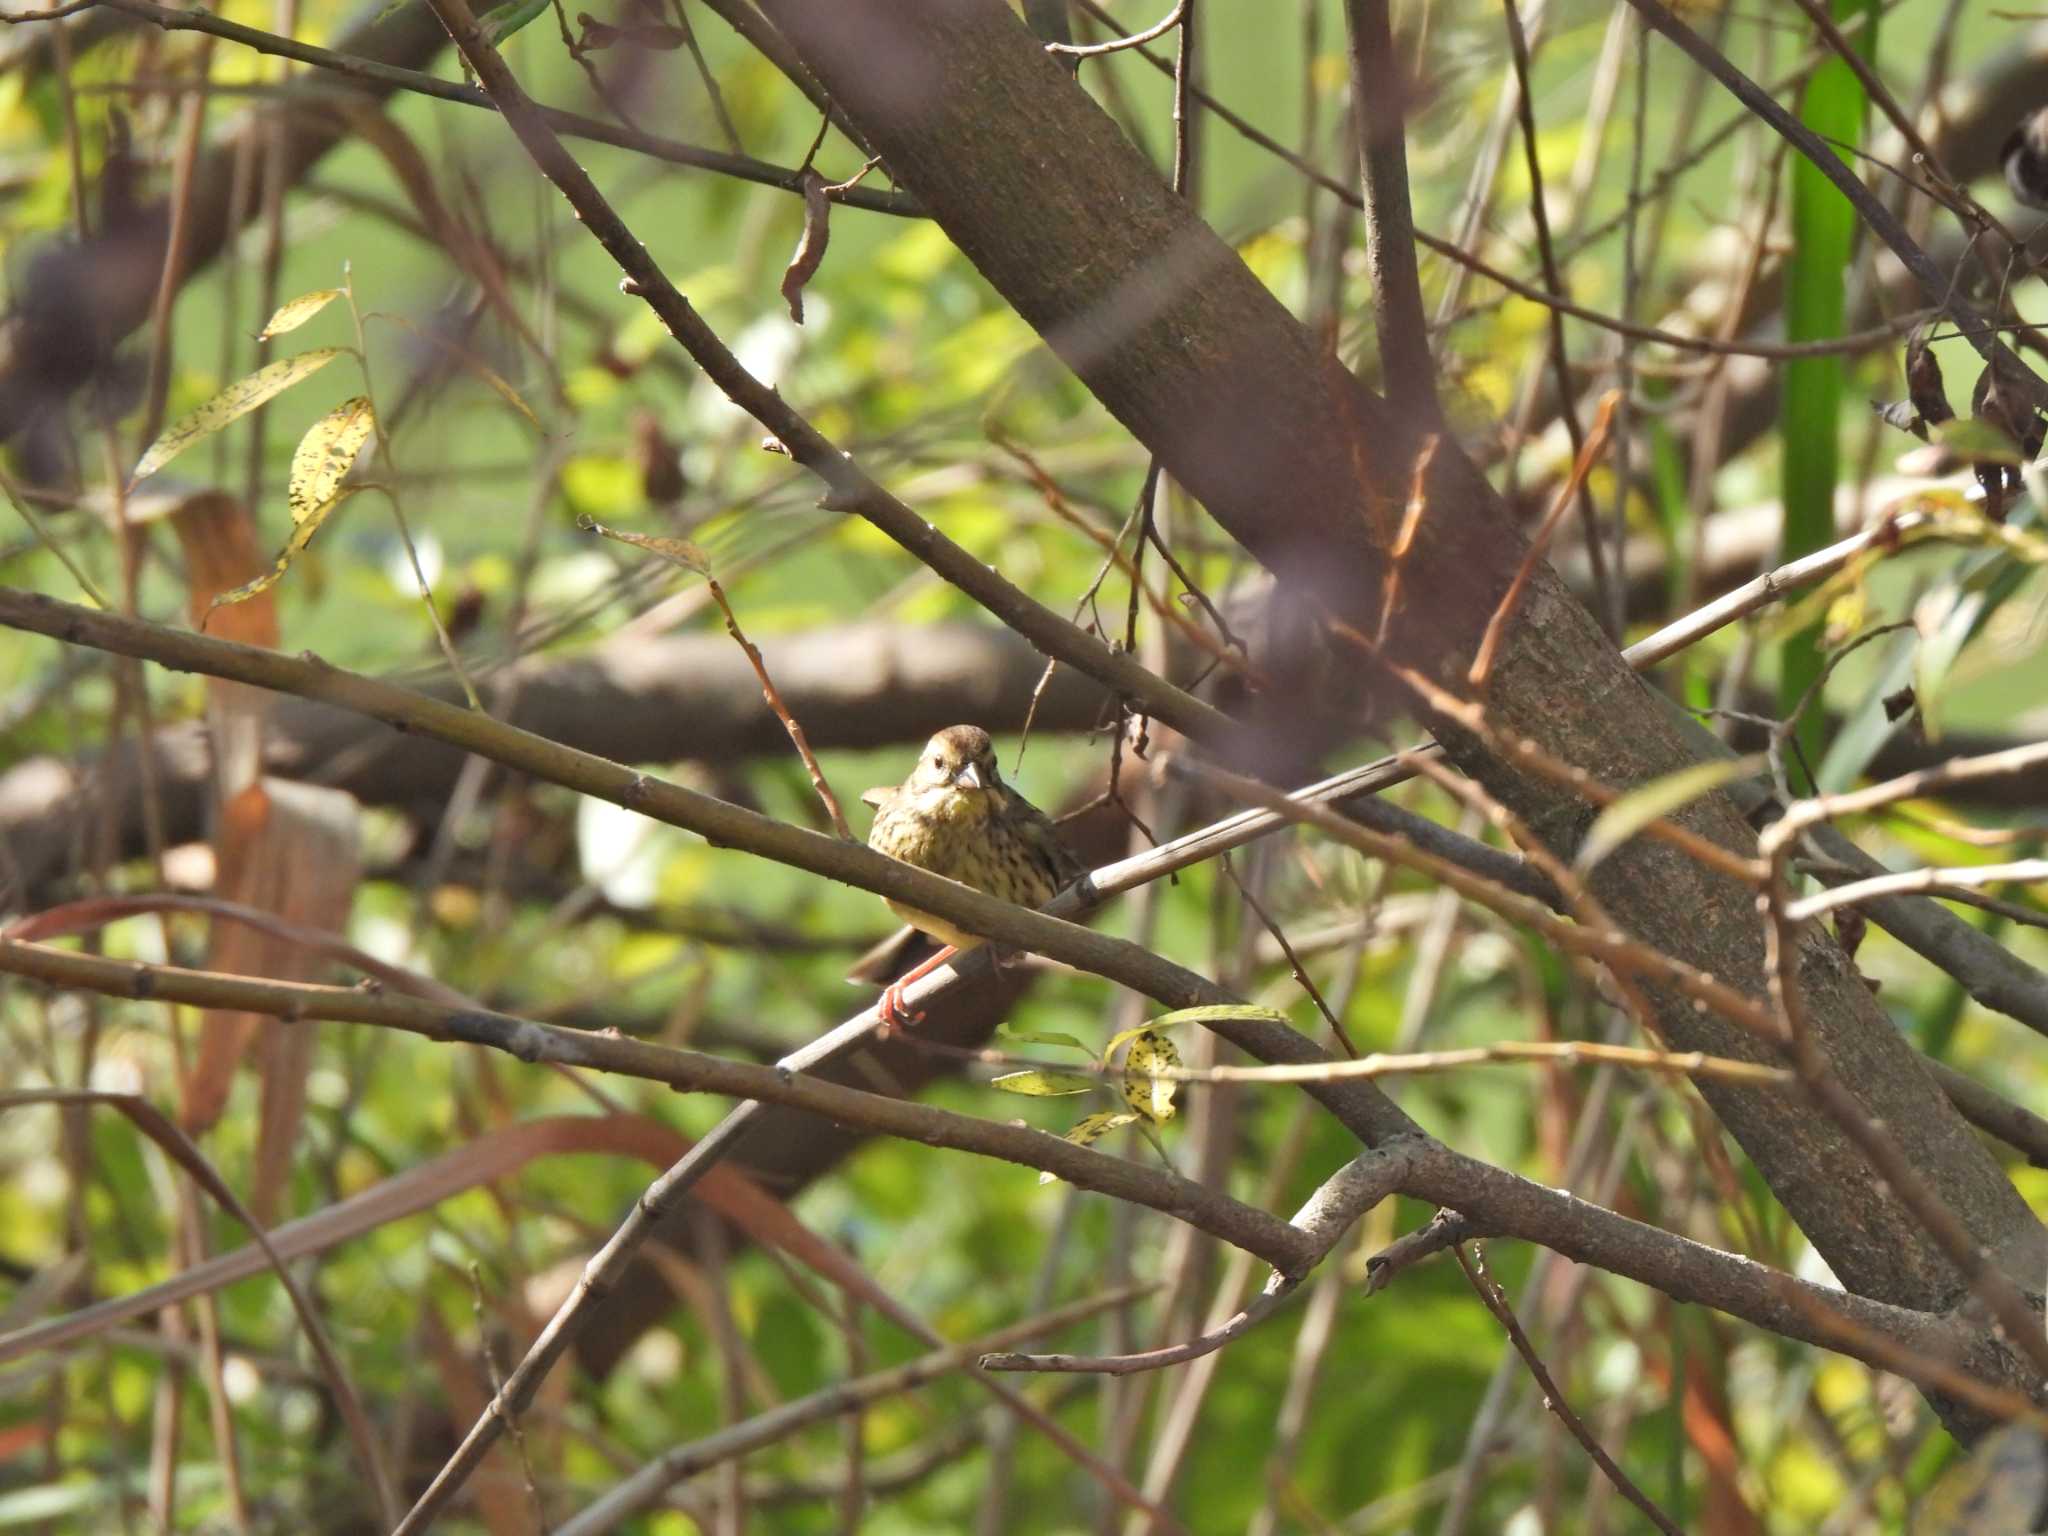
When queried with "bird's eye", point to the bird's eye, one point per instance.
{"points": [[937, 761]]}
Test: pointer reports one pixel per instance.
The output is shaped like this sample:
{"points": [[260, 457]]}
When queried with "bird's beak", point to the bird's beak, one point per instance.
{"points": [[969, 776]]}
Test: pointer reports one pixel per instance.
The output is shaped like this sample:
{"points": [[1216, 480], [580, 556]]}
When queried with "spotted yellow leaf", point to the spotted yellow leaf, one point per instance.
{"points": [[1089, 1130], [1208, 1013], [1151, 1095], [325, 454], [296, 312], [302, 535], [230, 405]]}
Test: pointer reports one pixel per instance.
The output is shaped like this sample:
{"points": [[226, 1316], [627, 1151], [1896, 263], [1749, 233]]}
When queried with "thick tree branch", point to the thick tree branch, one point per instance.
{"points": [[718, 821], [1287, 1248], [654, 700]]}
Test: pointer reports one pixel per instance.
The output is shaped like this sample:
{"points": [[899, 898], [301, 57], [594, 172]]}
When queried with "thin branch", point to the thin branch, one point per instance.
{"points": [[1926, 881], [1268, 1301], [1682, 633], [1327, 1215], [1553, 1399], [1286, 1247], [1158, 29], [1993, 1114], [1561, 1053], [1560, 362], [1379, 90], [1586, 449], [1908, 786], [789, 722]]}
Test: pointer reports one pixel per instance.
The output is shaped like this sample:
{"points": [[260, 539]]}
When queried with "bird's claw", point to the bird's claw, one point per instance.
{"points": [[893, 1012]]}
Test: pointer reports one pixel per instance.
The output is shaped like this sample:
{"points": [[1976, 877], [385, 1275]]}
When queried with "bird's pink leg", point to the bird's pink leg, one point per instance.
{"points": [[891, 1006]]}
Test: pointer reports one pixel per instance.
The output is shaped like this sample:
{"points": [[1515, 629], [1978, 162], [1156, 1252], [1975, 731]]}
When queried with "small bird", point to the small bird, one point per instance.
{"points": [[956, 817]]}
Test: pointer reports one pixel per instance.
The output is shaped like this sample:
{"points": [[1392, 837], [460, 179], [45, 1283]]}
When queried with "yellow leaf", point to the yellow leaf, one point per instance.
{"points": [[232, 403], [1847, 614], [302, 535], [290, 316], [325, 454], [1086, 1132], [1144, 1090], [677, 551], [1042, 1085]]}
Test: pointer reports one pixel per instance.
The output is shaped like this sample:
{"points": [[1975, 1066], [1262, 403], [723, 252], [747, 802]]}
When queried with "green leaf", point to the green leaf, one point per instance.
{"points": [[1042, 1085], [230, 405], [1043, 1037], [1088, 1131], [1150, 1095], [325, 454], [501, 21], [1646, 803], [296, 312]]}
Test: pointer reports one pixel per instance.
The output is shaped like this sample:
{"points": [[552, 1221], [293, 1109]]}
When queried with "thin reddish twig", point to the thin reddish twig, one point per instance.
{"points": [[789, 723]]}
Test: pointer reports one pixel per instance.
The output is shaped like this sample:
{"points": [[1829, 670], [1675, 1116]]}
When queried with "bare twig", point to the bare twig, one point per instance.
{"points": [[1560, 363], [1379, 92], [1926, 881], [789, 723], [1587, 450], [1553, 1399], [1158, 29]]}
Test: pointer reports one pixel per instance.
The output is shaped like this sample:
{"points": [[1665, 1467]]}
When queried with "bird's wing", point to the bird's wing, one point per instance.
{"points": [[1044, 838], [877, 796]]}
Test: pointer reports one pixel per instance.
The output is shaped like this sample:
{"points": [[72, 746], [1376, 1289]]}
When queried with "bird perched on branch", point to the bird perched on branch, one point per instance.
{"points": [[956, 817]]}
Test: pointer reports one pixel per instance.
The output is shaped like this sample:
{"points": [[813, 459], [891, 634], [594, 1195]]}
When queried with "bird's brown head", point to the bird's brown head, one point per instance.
{"points": [[957, 776]]}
